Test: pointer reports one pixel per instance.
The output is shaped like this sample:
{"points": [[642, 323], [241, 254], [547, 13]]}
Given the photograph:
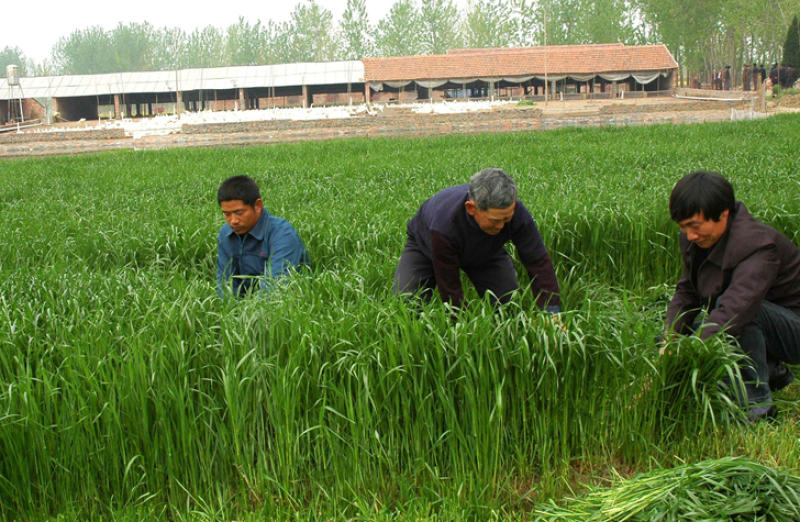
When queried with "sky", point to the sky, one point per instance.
{"points": [[36, 28]]}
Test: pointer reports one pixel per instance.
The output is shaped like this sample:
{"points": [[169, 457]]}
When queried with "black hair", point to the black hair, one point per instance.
{"points": [[243, 188], [701, 191]]}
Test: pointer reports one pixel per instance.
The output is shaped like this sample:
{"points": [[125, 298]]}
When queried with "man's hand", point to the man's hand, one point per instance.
{"points": [[663, 342], [555, 320]]}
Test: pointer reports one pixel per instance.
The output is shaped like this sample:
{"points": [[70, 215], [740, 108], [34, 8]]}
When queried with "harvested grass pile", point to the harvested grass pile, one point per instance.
{"points": [[791, 101], [735, 489]]}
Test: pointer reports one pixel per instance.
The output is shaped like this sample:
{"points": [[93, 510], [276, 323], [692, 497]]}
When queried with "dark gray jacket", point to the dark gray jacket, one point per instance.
{"points": [[750, 263]]}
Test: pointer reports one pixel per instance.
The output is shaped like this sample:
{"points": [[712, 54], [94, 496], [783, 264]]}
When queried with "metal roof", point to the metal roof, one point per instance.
{"points": [[246, 77]]}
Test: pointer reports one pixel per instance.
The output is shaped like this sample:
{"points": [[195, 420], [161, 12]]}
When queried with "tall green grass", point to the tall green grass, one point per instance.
{"points": [[127, 389]]}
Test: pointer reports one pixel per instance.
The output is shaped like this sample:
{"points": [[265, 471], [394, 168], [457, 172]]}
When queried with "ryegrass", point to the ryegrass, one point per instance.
{"points": [[128, 390]]}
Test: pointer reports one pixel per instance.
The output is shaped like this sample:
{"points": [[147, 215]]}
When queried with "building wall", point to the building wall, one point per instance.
{"points": [[31, 110]]}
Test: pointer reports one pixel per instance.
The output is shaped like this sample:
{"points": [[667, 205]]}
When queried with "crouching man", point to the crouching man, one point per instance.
{"points": [[464, 228], [746, 274], [253, 248]]}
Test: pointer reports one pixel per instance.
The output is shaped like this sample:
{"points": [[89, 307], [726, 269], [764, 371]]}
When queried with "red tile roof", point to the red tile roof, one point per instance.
{"points": [[523, 61], [492, 50]]}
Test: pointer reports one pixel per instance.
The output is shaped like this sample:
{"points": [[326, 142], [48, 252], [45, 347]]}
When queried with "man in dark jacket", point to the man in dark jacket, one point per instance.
{"points": [[748, 276], [464, 228], [746, 78], [773, 74]]}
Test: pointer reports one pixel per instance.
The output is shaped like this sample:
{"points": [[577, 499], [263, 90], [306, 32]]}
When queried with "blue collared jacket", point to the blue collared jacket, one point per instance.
{"points": [[258, 257]]}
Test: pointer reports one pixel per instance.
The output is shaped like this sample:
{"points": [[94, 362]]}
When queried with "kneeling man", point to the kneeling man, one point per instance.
{"points": [[253, 247], [465, 228], [748, 276]]}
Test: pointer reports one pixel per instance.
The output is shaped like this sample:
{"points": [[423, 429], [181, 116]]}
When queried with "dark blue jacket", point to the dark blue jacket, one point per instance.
{"points": [[451, 239], [256, 258]]}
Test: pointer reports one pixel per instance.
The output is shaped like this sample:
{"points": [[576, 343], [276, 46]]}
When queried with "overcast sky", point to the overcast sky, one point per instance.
{"points": [[35, 28]]}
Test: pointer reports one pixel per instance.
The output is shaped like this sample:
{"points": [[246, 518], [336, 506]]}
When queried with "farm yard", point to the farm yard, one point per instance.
{"points": [[129, 391]]}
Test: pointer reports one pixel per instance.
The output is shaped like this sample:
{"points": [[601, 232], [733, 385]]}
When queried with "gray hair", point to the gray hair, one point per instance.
{"points": [[492, 188]]}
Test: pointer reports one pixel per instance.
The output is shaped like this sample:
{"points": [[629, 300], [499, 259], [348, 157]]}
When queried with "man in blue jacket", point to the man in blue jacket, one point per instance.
{"points": [[253, 248], [464, 228]]}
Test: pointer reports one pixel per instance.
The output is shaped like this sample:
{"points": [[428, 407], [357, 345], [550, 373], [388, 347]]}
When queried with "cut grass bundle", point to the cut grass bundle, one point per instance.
{"points": [[726, 489]]}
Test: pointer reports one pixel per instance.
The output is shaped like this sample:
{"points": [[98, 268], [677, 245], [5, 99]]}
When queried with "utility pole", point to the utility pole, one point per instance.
{"points": [[178, 100], [544, 6]]}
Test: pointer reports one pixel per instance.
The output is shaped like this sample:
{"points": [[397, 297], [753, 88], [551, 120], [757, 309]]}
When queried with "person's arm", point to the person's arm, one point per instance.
{"points": [[286, 252], [224, 268], [544, 284], [446, 269], [536, 260], [750, 283], [685, 304]]}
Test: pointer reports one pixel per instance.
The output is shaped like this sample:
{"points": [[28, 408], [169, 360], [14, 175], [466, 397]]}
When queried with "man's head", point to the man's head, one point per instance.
{"points": [[240, 201], [492, 199], [700, 204]]}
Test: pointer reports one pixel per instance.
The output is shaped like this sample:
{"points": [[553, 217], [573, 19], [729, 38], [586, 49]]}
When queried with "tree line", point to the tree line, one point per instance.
{"points": [[702, 35]]}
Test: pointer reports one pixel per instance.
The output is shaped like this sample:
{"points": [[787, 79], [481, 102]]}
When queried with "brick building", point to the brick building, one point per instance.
{"points": [[570, 71]]}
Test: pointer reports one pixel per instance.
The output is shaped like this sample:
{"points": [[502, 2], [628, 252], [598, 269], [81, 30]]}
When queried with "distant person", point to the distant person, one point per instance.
{"points": [[464, 228], [791, 77], [756, 72], [746, 78], [762, 71], [253, 248], [726, 76], [746, 274], [773, 74]]}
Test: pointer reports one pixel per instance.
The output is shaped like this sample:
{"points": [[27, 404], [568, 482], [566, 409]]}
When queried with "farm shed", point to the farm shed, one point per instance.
{"points": [[220, 88], [571, 71]]}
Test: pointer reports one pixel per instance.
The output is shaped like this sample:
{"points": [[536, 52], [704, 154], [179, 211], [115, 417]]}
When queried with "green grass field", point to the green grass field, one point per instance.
{"points": [[129, 391]]}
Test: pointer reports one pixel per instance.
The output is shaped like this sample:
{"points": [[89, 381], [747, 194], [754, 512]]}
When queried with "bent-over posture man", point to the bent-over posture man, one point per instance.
{"points": [[464, 228], [748, 276], [253, 247]]}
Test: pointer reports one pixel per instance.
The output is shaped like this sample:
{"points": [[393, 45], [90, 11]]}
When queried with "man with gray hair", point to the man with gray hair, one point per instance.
{"points": [[464, 228]]}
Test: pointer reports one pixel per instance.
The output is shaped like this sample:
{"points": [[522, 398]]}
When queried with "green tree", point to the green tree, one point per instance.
{"points": [[15, 56], [172, 49], [791, 47], [566, 22], [526, 23], [356, 33], [439, 21], [398, 34], [310, 32], [276, 43], [243, 42], [607, 21], [488, 24], [134, 47], [85, 51]]}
